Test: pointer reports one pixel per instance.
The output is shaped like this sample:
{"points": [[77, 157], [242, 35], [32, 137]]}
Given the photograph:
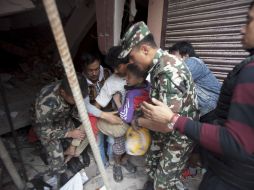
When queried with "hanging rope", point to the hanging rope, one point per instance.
{"points": [[57, 28]]}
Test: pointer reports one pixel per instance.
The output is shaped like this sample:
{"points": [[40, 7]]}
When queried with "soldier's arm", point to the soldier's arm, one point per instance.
{"points": [[49, 128], [169, 89], [235, 139]]}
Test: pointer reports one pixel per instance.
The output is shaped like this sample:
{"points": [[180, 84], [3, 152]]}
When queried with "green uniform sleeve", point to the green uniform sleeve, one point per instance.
{"points": [[170, 89]]}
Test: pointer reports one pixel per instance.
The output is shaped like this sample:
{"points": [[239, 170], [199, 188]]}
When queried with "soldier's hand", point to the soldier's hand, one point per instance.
{"points": [[77, 134]]}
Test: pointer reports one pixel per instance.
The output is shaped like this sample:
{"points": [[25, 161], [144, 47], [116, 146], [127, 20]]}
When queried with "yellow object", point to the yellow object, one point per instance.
{"points": [[137, 141]]}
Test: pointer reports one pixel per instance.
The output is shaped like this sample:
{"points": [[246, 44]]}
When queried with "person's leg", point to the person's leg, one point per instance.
{"points": [[120, 156], [100, 141], [55, 155], [110, 141], [53, 148], [125, 162], [152, 158], [176, 151], [118, 151], [56, 162]]}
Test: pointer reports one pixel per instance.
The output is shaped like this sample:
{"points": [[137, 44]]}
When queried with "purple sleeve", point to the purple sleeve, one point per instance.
{"points": [[127, 110]]}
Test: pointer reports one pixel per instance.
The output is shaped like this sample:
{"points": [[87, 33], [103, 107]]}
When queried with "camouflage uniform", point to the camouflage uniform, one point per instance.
{"points": [[52, 120], [172, 84]]}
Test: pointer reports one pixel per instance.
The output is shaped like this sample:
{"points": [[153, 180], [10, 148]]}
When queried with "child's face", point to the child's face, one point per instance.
{"points": [[132, 80]]}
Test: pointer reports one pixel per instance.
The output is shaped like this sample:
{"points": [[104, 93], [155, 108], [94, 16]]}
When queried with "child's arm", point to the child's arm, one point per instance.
{"points": [[117, 99]]}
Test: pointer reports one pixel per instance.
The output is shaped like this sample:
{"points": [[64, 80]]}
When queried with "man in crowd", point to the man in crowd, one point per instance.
{"points": [[96, 75], [171, 82], [229, 143], [112, 86], [206, 85]]}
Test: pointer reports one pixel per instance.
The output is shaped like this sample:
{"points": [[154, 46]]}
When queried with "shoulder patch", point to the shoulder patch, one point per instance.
{"points": [[50, 102]]}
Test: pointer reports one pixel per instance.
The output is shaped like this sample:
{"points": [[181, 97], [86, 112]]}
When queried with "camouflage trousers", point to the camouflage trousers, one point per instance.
{"points": [[55, 153], [54, 146], [167, 158]]}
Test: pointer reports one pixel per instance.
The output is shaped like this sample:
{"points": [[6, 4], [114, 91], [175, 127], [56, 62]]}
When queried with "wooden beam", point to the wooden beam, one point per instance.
{"points": [[14, 49]]}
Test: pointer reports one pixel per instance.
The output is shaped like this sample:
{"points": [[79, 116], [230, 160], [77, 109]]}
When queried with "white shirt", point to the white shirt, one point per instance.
{"points": [[112, 85], [101, 77]]}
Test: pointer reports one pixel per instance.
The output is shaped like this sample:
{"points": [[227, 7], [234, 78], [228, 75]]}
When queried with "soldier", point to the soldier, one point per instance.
{"points": [[53, 122], [228, 144], [171, 83]]}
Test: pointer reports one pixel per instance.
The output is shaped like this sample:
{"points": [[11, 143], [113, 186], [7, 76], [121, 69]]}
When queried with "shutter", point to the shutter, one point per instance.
{"points": [[212, 26]]}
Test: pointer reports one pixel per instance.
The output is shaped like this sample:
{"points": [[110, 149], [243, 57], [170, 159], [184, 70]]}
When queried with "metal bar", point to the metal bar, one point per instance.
{"points": [[14, 135]]}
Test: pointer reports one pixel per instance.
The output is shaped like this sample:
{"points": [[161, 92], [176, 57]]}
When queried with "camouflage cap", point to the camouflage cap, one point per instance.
{"points": [[132, 37]]}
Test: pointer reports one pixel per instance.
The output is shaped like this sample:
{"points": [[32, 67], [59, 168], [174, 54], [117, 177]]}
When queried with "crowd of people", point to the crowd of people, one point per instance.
{"points": [[174, 95]]}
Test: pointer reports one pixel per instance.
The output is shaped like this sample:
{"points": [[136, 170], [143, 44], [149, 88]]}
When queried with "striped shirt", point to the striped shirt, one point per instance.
{"points": [[236, 138]]}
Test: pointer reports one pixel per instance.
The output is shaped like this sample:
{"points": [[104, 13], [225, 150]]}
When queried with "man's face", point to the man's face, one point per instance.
{"points": [[121, 70], [140, 57], [248, 31], [92, 71]]}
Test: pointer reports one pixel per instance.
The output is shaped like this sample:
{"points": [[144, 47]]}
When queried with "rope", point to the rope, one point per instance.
{"points": [[57, 28]]}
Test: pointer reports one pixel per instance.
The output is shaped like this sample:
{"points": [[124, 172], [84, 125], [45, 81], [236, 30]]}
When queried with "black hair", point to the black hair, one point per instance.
{"points": [[89, 58], [149, 40], [136, 71], [172, 49], [184, 48], [82, 83], [112, 59], [251, 5]]}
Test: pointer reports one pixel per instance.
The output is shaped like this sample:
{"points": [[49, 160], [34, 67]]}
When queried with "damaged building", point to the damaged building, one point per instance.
{"points": [[30, 60]]}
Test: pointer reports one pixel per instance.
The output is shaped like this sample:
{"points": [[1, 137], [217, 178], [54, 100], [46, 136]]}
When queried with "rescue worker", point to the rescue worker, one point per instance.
{"points": [[171, 82]]}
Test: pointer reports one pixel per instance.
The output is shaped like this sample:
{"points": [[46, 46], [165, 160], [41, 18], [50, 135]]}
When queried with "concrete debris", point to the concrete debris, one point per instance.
{"points": [[14, 114]]}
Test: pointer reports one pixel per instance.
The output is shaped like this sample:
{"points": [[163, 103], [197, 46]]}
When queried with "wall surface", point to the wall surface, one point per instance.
{"points": [[154, 20]]}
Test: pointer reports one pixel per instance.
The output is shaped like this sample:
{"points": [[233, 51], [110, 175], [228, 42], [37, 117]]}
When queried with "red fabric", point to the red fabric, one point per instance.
{"points": [[186, 173], [139, 99], [93, 121], [32, 137]]}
